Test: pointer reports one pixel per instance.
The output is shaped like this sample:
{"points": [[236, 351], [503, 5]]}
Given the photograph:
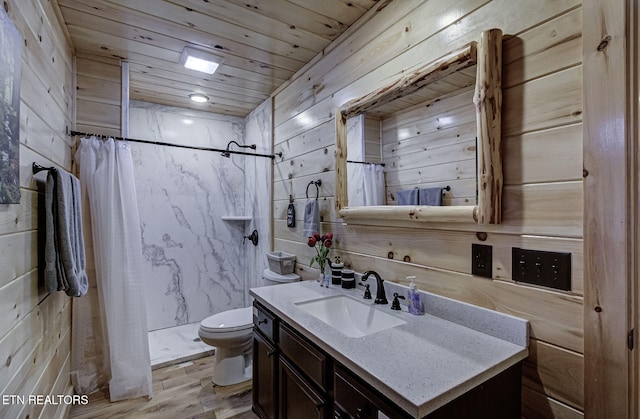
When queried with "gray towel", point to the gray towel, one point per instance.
{"points": [[407, 197], [64, 246], [431, 196], [311, 217]]}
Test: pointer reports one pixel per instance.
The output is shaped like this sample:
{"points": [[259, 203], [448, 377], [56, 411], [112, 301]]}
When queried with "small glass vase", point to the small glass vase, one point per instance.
{"points": [[324, 278]]}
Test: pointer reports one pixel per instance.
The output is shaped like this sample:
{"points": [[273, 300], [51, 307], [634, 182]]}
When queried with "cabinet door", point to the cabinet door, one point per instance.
{"points": [[298, 399], [265, 363], [305, 356]]}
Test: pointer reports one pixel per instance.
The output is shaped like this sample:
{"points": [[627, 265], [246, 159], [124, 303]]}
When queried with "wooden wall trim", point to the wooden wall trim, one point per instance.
{"points": [[634, 204], [488, 102], [606, 209], [341, 193], [124, 99], [634, 68]]}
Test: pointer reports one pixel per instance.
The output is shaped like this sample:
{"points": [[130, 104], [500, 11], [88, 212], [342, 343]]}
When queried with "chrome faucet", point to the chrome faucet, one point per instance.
{"points": [[381, 297]]}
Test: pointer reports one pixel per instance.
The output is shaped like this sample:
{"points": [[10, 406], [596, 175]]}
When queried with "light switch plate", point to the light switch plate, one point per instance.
{"points": [[481, 260], [549, 269]]}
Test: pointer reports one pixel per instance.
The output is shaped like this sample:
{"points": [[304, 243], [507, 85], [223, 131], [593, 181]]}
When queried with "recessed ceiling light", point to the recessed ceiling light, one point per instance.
{"points": [[200, 60], [198, 97], [198, 64]]}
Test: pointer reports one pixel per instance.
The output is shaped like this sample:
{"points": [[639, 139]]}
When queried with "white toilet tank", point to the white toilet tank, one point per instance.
{"points": [[271, 278]]}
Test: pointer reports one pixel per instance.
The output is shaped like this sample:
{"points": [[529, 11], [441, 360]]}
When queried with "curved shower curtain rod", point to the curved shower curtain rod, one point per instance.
{"points": [[135, 140]]}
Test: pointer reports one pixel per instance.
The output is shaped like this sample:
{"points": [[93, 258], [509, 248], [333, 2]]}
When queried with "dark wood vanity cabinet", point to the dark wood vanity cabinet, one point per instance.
{"points": [[496, 398], [265, 374], [307, 358], [290, 375], [354, 399], [298, 398], [293, 379], [304, 377]]}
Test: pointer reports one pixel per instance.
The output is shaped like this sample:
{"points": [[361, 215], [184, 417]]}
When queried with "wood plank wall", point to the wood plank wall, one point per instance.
{"points": [[98, 95], [35, 327], [611, 207], [542, 140], [433, 145], [372, 144], [98, 104]]}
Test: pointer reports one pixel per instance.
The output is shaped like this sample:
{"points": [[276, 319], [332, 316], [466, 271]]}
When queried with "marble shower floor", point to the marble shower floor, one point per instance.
{"points": [[176, 344]]}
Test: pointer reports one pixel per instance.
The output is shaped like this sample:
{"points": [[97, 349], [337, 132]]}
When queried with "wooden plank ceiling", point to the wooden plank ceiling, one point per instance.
{"points": [[263, 43]]}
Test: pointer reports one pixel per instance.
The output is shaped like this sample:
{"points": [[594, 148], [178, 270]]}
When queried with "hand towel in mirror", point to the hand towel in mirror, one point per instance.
{"points": [[407, 197], [431, 196]]}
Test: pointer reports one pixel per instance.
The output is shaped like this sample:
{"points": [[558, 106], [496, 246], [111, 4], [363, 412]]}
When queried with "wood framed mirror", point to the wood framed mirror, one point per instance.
{"points": [[486, 57]]}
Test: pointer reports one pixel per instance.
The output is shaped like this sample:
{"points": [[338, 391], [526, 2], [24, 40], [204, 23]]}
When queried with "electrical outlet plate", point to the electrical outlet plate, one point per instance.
{"points": [[548, 269], [481, 260]]}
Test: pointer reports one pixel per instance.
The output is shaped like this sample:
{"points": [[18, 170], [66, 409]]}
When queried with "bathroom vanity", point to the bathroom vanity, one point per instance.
{"points": [[311, 360]]}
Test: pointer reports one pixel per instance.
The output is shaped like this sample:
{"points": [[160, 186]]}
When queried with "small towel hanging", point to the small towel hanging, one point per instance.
{"points": [[312, 211]]}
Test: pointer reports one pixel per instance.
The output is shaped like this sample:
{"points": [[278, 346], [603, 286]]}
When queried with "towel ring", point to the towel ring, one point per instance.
{"points": [[317, 183]]}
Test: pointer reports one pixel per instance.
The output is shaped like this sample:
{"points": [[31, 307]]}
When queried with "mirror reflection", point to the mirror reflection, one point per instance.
{"points": [[417, 150], [436, 132]]}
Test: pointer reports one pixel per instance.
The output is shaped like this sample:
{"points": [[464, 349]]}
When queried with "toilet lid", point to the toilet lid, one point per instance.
{"points": [[276, 277], [230, 320]]}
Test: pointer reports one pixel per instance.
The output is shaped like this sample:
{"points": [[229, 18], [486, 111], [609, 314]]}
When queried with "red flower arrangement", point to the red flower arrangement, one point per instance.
{"points": [[322, 244]]}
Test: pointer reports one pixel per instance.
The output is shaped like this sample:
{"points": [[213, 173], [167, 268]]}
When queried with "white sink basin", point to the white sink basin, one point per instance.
{"points": [[349, 316]]}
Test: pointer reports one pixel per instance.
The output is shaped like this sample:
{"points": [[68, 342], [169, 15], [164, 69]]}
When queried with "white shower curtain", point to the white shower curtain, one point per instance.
{"points": [[374, 184], [106, 174]]}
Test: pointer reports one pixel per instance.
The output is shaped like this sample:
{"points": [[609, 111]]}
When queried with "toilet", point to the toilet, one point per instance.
{"points": [[231, 333]]}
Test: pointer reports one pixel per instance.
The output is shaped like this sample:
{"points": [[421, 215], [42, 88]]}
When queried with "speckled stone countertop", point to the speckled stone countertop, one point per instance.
{"points": [[420, 365]]}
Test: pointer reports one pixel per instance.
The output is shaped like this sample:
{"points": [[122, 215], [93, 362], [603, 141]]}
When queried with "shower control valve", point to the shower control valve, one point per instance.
{"points": [[253, 238]]}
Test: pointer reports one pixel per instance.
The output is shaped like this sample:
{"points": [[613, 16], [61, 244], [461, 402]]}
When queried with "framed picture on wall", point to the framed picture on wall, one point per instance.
{"points": [[10, 58]]}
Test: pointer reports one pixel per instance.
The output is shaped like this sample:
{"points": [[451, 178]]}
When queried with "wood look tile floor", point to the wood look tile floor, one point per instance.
{"points": [[180, 391]]}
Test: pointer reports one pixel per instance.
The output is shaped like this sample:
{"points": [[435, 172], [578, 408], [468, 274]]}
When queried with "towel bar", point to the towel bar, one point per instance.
{"points": [[36, 168]]}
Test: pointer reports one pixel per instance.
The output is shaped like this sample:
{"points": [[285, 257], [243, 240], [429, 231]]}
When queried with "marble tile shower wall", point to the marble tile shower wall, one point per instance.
{"points": [[195, 263], [258, 191]]}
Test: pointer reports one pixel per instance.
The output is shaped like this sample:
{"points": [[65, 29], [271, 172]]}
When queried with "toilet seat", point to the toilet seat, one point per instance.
{"points": [[228, 321], [231, 333]]}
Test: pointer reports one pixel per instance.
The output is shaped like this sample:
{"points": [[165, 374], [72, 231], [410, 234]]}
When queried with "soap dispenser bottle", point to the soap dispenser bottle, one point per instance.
{"points": [[415, 305]]}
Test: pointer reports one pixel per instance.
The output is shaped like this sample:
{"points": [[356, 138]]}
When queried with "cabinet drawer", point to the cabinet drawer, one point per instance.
{"points": [[264, 321], [354, 399], [304, 355]]}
